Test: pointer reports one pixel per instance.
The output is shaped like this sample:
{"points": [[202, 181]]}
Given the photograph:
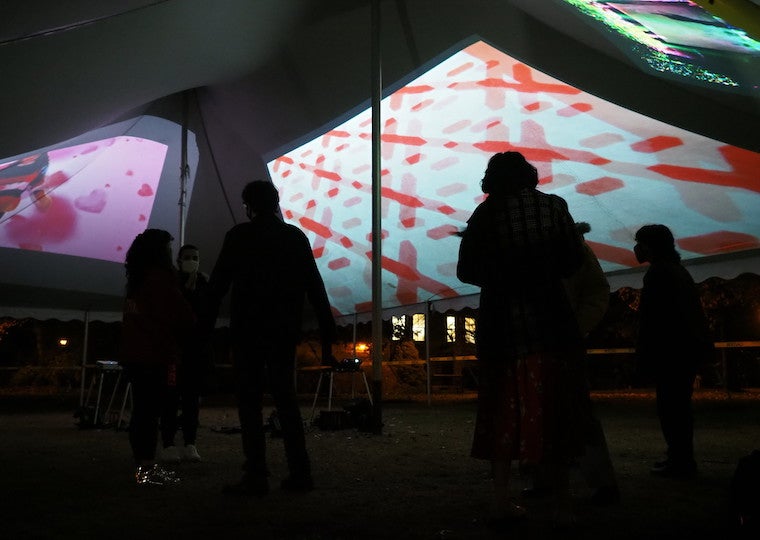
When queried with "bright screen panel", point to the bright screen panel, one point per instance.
{"points": [[681, 40], [70, 211], [87, 200], [617, 169]]}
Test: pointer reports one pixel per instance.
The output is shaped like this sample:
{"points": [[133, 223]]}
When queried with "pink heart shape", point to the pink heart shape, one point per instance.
{"points": [[145, 191], [93, 203]]}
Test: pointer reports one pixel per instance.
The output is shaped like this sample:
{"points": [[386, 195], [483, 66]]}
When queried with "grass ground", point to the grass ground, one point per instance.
{"points": [[415, 480]]}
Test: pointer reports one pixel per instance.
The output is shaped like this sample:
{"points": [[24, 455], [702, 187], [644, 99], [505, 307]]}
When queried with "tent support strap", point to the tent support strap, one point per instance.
{"points": [[84, 356], [377, 300]]}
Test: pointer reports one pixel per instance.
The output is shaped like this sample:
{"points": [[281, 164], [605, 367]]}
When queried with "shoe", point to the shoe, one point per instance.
{"points": [[606, 496], [155, 475], [673, 469], [248, 488], [507, 518], [170, 454], [191, 453], [297, 484], [535, 492], [563, 520]]}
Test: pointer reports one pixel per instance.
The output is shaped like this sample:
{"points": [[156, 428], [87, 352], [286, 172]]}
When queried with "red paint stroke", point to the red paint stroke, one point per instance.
{"points": [[315, 227], [718, 242], [744, 165], [56, 224], [613, 254]]}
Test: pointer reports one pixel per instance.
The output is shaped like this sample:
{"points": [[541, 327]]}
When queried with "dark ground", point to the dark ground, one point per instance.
{"points": [[415, 480]]}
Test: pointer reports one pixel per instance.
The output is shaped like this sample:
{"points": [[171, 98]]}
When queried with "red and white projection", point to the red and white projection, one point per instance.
{"points": [[617, 169], [88, 200]]}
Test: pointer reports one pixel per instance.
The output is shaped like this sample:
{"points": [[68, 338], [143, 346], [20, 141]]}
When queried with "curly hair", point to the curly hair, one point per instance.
{"points": [[659, 239], [261, 197], [508, 172], [148, 250]]}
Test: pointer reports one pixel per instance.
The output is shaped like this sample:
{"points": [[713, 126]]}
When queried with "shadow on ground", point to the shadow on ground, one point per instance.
{"points": [[415, 480]]}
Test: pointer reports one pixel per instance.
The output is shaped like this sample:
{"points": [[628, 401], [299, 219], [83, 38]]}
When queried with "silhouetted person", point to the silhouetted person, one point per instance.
{"points": [[518, 245], [156, 321], [193, 371], [271, 269], [589, 294], [673, 341]]}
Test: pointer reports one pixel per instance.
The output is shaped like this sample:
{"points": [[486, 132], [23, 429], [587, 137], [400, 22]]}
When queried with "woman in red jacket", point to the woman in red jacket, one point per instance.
{"points": [[155, 322]]}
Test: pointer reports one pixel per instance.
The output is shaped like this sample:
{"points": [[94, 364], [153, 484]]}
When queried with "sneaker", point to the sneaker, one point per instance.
{"points": [[297, 484], [675, 469], [170, 454], [154, 475], [535, 492], [248, 488], [606, 495], [168, 477], [505, 519], [191, 453]]}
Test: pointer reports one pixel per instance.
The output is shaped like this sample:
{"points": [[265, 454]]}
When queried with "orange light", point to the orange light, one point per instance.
{"points": [[63, 342], [362, 347]]}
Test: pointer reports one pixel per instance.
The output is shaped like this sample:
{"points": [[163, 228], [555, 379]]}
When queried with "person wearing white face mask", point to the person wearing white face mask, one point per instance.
{"points": [[192, 372]]}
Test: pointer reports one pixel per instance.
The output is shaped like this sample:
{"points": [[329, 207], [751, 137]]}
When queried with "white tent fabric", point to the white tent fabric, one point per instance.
{"points": [[264, 77]]}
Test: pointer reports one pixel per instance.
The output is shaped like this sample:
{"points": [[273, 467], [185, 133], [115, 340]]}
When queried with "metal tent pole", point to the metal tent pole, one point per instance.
{"points": [[184, 173], [377, 297], [84, 355], [427, 350]]}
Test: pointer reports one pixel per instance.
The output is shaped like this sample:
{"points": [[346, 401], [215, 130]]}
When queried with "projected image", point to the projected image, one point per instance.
{"points": [[679, 38], [87, 200], [617, 169]]}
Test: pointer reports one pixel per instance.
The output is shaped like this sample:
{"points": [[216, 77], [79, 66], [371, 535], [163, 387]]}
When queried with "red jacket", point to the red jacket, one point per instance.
{"points": [[156, 321]]}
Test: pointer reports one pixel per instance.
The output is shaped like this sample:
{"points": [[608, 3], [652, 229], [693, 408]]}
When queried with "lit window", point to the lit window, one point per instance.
{"points": [[418, 327], [451, 329], [469, 329], [398, 322]]}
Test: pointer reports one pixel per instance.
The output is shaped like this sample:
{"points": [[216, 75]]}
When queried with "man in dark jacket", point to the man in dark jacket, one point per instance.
{"points": [[271, 269]]}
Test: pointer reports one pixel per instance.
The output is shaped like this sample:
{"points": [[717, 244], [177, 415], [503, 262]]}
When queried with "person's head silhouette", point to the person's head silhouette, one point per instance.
{"points": [[655, 243], [508, 172], [260, 197]]}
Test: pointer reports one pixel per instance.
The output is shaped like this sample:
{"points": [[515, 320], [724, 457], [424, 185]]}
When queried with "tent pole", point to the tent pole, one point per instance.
{"points": [[355, 321], [84, 356], [377, 300], [427, 350], [184, 172]]}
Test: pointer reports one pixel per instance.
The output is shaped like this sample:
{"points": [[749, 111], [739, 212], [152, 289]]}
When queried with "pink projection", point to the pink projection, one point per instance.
{"points": [[88, 200], [617, 169]]}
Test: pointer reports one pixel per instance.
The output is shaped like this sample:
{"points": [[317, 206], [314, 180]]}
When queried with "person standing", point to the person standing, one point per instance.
{"points": [[156, 321], [518, 246], [270, 267], [192, 372], [673, 341], [589, 293]]}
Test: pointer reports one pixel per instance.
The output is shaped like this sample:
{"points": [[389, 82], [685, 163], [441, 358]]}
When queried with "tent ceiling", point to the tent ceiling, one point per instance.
{"points": [[269, 72]]}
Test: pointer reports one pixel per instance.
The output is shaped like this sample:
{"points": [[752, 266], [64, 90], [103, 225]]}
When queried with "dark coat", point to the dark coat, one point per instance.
{"points": [[156, 321], [271, 270]]}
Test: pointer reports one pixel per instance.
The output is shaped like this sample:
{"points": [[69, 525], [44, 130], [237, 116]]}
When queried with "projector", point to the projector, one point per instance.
{"points": [[347, 364]]}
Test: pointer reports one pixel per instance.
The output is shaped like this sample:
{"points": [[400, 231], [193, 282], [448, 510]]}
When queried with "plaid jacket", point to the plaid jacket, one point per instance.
{"points": [[518, 248]]}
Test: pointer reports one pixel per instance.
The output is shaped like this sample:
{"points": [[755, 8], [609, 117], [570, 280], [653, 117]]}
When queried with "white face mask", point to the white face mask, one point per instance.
{"points": [[189, 266]]}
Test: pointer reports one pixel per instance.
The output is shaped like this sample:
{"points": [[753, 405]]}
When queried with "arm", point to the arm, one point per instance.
{"points": [[470, 265], [317, 297], [218, 284], [589, 292]]}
